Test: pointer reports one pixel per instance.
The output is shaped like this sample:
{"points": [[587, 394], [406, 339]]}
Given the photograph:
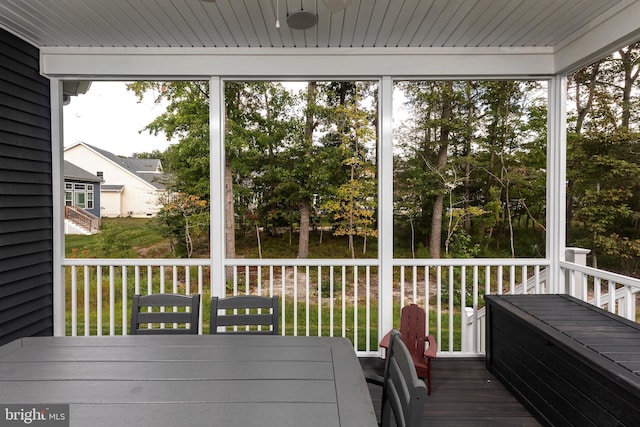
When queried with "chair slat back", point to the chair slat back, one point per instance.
{"points": [[413, 329], [162, 308], [251, 314], [403, 393]]}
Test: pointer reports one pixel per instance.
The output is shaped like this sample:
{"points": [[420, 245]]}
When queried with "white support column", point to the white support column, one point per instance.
{"points": [[385, 204], [556, 181], [57, 184], [216, 177]]}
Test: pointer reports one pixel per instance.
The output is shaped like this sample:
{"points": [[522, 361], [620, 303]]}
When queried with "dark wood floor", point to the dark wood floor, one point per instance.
{"points": [[464, 394]]}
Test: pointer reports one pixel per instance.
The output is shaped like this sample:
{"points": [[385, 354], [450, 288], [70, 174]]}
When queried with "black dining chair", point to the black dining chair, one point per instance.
{"points": [[165, 314], [245, 314], [403, 393]]}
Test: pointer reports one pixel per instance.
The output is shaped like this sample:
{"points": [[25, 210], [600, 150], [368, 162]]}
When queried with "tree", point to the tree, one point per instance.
{"points": [[354, 204], [181, 217], [603, 161]]}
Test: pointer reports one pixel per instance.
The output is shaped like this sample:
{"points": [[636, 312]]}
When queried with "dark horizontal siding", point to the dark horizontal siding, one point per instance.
{"points": [[26, 212]]}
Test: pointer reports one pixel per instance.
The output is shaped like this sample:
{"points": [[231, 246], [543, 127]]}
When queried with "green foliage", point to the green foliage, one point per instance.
{"points": [[184, 220], [118, 238], [476, 149], [462, 246]]}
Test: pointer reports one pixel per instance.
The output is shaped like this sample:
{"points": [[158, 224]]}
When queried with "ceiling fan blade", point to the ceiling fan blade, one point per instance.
{"points": [[336, 5]]}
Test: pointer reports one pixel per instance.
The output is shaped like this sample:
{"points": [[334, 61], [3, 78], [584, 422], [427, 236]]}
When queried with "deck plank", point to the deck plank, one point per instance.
{"points": [[464, 394]]}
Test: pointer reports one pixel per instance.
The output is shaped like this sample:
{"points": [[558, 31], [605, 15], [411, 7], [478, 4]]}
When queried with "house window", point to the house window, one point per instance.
{"points": [[89, 196], [79, 195], [68, 194]]}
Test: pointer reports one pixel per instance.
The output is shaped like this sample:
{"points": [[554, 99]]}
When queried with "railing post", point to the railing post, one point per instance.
{"points": [[470, 329], [577, 256]]}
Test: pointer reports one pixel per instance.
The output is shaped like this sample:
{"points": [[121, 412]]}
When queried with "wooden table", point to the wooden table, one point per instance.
{"points": [[190, 380]]}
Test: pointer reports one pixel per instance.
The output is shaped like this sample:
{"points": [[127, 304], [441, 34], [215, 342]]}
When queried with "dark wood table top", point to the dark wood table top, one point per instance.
{"points": [[584, 326], [190, 380]]}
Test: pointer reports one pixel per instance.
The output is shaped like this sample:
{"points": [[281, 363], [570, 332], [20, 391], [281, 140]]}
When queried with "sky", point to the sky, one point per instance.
{"points": [[110, 117]]}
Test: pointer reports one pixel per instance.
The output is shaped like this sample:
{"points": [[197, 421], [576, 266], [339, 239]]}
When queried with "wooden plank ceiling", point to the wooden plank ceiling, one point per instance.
{"points": [[251, 23]]}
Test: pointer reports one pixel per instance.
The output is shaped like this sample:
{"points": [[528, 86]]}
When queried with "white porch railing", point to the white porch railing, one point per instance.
{"points": [[333, 297], [610, 291]]}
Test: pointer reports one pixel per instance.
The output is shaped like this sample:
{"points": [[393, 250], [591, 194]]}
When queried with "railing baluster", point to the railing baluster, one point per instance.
{"points": [[112, 301], [87, 303], [427, 295], [512, 279], [99, 300], [149, 280], [414, 273], [283, 293], [74, 301], [368, 308], [344, 301], [201, 292], [259, 288], [476, 329], [463, 304], [402, 304], [136, 281], [355, 306], [295, 300], [319, 301], [331, 300], [451, 308], [247, 288], [439, 305], [124, 300], [306, 300]]}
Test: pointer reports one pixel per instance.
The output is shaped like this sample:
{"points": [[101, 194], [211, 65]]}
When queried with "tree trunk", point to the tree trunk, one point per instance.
{"points": [[305, 204], [229, 218], [303, 239], [630, 69], [435, 240], [436, 227], [259, 241]]}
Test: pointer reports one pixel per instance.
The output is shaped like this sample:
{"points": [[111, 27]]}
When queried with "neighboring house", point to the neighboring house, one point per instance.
{"points": [[130, 186], [81, 200], [81, 189]]}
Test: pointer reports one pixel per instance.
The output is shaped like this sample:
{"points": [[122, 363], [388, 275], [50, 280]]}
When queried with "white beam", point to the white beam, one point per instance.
{"points": [[612, 31], [316, 63]]}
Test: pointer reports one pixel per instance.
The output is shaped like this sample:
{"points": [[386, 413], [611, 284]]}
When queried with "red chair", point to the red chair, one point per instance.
{"points": [[414, 336]]}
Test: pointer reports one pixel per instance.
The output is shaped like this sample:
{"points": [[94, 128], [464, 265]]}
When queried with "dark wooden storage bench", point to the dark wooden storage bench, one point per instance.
{"points": [[570, 363]]}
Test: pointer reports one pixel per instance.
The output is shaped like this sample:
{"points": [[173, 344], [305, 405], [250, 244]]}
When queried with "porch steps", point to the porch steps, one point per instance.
{"points": [[71, 227]]}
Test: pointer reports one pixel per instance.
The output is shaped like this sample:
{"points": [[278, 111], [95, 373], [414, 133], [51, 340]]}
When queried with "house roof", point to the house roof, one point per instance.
{"points": [[112, 188], [572, 32], [73, 172], [149, 170]]}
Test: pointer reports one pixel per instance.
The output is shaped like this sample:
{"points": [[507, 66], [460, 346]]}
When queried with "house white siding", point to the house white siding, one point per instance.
{"points": [[123, 192]]}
